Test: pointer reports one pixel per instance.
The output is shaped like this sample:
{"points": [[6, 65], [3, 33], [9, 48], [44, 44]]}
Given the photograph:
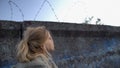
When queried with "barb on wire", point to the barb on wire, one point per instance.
{"points": [[39, 9], [17, 7], [52, 10]]}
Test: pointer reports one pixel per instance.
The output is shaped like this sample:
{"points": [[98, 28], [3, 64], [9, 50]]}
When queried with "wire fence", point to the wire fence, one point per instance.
{"points": [[13, 4], [82, 8]]}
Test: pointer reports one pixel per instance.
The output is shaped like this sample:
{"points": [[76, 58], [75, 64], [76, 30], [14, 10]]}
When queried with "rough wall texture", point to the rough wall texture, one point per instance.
{"points": [[9, 36], [77, 45]]}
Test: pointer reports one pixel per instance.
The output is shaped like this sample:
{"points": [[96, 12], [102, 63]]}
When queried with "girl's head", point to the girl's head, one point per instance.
{"points": [[36, 41]]}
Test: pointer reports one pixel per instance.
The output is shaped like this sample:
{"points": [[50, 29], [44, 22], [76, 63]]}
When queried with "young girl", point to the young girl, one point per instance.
{"points": [[32, 51]]}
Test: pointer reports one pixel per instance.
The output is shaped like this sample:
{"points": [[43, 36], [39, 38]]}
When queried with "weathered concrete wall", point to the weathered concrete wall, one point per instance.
{"points": [[9, 37], [77, 45]]}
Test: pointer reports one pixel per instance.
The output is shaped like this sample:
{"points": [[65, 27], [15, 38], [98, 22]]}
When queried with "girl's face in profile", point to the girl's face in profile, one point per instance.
{"points": [[49, 44]]}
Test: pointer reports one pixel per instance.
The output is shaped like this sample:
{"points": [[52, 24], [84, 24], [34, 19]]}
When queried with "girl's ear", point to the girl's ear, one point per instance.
{"points": [[43, 47]]}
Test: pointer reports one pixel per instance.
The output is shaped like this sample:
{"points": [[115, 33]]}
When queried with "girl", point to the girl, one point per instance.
{"points": [[32, 51]]}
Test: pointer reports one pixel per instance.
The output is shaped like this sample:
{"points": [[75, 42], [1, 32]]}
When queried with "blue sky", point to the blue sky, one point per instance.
{"points": [[74, 11]]}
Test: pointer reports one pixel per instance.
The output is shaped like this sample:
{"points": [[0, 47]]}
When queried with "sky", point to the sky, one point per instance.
{"points": [[71, 11]]}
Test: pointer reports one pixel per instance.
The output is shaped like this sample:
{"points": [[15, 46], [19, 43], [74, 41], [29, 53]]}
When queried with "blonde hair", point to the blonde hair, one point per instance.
{"points": [[31, 46]]}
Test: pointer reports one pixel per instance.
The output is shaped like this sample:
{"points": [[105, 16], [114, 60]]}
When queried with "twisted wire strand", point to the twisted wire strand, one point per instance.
{"points": [[18, 9], [39, 9], [52, 10], [11, 9]]}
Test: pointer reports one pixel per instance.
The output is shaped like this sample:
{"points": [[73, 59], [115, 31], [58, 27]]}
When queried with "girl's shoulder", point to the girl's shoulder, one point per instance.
{"points": [[39, 61]]}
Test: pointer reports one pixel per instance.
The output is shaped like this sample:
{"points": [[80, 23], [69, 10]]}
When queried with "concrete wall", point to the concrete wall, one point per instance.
{"points": [[77, 45], [9, 37]]}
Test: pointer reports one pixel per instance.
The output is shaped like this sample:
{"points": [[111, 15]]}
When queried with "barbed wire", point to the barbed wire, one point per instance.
{"points": [[39, 9], [11, 9], [52, 10], [50, 5], [42, 5], [17, 7]]}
